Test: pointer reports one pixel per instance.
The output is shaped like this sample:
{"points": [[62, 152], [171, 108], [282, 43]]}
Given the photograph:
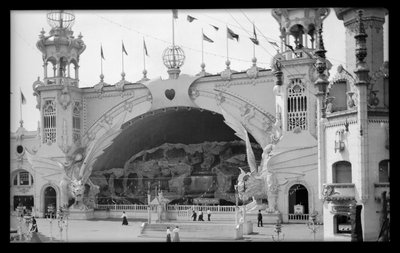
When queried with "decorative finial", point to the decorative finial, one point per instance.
{"points": [[123, 75], [101, 78], [320, 52], [21, 123], [202, 65], [227, 62], [254, 60]]}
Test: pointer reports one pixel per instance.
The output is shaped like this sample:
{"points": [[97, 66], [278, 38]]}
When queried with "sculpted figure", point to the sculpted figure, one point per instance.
{"points": [[78, 167]]}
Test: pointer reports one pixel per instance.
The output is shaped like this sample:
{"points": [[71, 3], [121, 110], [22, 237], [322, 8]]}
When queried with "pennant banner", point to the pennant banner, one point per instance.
{"points": [[175, 13], [190, 18], [231, 35], [145, 48], [273, 43], [254, 40], [207, 38], [215, 27], [23, 100], [102, 55], [123, 48]]}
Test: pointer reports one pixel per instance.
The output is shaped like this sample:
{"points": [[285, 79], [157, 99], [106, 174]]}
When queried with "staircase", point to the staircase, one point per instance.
{"points": [[187, 231]]}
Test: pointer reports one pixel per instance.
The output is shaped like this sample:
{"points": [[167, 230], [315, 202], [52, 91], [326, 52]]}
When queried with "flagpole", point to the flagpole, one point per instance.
{"points": [[20, 106], [173, 39], [144, 57], [227, 57], [202, 46], [122, 51], [101, 59], [254, 45]]}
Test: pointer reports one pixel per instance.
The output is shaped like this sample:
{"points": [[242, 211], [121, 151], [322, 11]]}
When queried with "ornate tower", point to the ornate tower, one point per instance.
{"points": [[295, 97], [58, 96], [374, 19]]}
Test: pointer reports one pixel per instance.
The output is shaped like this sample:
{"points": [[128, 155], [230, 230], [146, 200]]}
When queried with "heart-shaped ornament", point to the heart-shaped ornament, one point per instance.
{"points": [[170, 94]]}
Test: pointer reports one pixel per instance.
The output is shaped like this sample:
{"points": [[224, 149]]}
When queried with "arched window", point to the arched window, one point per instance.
{"points": [[341, 172], [384, 171], [76, 122], [23, 178], [49, 121], [297, 105]]}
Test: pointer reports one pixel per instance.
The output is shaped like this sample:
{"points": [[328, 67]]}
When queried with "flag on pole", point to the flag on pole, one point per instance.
{"points": [[207, 38], [101, 50], [175, 13], [273, 43], [290, 47], [231, 35], [190, 18], [23, 100], [145, 48], [215, 27], [254, 40], [123, 48]]}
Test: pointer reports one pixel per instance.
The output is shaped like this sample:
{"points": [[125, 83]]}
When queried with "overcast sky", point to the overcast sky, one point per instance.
{"points": [[109, 28]]}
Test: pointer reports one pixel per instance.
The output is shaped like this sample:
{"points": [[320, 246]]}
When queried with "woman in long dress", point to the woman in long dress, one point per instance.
{"points": [[168, 235], [176, 234], [124, 219]]}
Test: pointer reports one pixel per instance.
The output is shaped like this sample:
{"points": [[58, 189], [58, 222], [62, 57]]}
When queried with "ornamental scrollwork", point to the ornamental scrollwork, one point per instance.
{"points": [[328, 192]]}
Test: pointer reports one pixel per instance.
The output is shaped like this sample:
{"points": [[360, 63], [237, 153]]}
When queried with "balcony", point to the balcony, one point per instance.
{"points": [[61, 81], [339, 191], [379, 188]]}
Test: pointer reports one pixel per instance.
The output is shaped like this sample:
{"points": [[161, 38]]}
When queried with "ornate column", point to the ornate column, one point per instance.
{"points": [[321, 83], [362, 106]]}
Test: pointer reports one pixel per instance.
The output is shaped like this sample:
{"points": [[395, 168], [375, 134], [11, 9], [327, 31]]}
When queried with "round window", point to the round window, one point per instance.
{"points": [[20, 149]]}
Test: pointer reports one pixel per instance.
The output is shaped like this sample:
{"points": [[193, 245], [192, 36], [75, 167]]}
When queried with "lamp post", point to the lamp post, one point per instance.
{"points": [[278, 230], [148, 203], [312, 225], [236, 208]]}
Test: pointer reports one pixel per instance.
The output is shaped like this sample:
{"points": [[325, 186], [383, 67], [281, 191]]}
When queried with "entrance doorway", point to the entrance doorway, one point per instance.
{"points": [[298, 195], [26, 201], [50, 201]]}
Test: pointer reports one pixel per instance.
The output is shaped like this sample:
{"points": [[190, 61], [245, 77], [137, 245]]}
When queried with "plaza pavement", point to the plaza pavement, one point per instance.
{"points": [[111, 230]]}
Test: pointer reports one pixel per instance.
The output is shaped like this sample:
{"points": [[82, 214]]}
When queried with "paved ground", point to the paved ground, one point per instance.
{"points": [[111, 230]]}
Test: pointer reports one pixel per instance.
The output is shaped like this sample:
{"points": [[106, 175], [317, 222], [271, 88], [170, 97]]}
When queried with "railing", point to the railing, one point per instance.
{"points": [[381, 187], [341, 191], [215, 209], [60, 81], [179, 208], [298, 217]]}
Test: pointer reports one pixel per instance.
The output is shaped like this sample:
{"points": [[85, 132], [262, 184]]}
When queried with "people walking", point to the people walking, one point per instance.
{"points": [[259, 218], [168, 235], [194, 215], [208, 214], [124, 219], [176, 234], [201, 215]]}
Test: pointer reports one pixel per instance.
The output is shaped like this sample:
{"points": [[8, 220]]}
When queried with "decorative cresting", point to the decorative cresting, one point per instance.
{"points": [[252, 72], [61, 49]]}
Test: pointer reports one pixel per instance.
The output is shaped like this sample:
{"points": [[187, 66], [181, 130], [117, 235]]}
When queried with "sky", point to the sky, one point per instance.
{"points": [[110, 27]]}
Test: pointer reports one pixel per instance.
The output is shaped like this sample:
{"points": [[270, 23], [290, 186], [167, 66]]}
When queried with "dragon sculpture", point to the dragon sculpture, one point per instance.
{"points": [[78, 167], [264, 181]]}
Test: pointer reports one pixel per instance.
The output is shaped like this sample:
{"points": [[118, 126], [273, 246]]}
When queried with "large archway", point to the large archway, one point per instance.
{"points": [[50, 201], [298, 195], [184, 136]]}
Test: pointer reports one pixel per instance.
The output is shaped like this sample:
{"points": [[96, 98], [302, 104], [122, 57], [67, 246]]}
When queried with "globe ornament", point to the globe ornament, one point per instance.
{"points": [[60, 19], [173, 58]]}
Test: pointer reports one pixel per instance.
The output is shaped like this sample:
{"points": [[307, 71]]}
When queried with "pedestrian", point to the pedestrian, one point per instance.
{"points": [[201, 215], [34, 225], [168, 235], [259, 219], [208, 215], [176, 234], [194, 215], [124, 219]]}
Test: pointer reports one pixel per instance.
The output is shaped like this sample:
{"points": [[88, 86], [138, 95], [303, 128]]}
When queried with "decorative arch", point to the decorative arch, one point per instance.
{"points": [[42, 196], [15, 176], [311, 204], [342, 172]]}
